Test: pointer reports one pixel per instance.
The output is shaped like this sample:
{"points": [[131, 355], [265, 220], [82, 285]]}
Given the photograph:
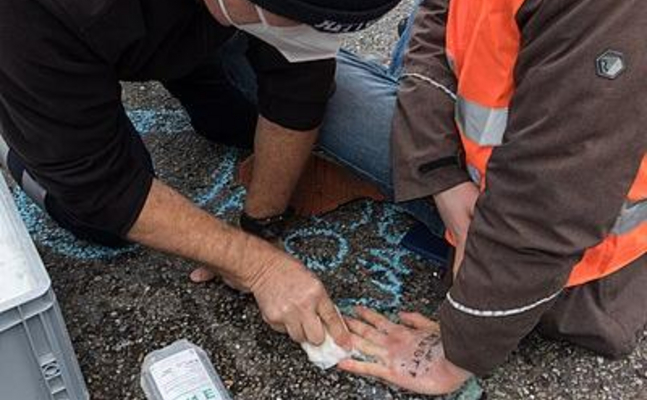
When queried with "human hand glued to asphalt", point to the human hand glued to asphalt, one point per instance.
{"points": [[456, 208], [409, 355]]}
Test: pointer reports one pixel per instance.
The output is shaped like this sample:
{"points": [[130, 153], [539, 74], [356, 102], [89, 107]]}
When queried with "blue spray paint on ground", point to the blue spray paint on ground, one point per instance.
{"points": [[386, 267]]}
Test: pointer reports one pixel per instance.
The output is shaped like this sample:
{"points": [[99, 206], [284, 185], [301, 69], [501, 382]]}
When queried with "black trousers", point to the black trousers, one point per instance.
{"points": [[220, 98]]}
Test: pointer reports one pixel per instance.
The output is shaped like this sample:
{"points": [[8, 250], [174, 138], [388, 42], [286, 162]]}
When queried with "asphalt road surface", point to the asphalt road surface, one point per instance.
{"points": [[122, 304]]}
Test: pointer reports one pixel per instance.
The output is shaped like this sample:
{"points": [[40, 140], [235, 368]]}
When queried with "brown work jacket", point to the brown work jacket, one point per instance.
{"points": [[572, 148]]}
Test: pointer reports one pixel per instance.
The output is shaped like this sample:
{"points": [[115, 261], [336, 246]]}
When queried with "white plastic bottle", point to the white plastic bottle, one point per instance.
{"points": [[181, 371]]}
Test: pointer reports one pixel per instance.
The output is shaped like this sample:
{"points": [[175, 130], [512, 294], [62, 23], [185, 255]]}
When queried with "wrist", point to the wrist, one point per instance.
{"points": [[449, 377], [456, 374], [249, 260], [451, 190]]}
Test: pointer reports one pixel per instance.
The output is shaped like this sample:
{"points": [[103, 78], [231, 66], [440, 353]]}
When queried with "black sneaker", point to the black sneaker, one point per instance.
{"points": [[270, 228]]}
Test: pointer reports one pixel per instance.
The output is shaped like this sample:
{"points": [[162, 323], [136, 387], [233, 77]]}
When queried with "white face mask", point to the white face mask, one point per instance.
{"points": [[297, 43]]}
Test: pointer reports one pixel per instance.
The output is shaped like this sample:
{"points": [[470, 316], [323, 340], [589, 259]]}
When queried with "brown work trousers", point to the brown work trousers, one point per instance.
{"points": [[607, 316]]}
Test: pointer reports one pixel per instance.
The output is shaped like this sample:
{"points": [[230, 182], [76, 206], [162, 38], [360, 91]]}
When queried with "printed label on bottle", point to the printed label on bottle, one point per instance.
{"points": [[183, 377]]}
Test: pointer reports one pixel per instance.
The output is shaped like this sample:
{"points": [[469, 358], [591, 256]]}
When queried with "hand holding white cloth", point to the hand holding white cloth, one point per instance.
{"points": [[328, 354]]}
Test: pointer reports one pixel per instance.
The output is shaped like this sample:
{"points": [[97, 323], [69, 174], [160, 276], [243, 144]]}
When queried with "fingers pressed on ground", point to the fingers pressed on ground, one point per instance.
{"points": [[377, 320], [334, 323], [369, 348], [314, 330], [417, 320], [365, 330], [365, 368], [201, 275]]}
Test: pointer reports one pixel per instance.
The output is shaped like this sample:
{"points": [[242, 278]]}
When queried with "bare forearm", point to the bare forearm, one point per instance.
{"points": [[280, 155], [171, 223], [290, 297]]}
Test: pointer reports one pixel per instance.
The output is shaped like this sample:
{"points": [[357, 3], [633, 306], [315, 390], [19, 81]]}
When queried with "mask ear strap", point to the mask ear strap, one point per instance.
{"points": [[261, 15], [221, 3]]}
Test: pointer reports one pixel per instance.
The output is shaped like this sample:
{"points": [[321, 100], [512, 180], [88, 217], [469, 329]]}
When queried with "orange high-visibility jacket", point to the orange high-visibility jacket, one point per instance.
{"points": [[482, 45]]}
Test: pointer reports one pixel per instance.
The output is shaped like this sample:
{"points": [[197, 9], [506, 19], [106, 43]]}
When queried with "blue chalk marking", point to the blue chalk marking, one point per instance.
{"points": [[313, 262], [387, 225], [57, 239], [159, 121], [387, 271], [222, 176], [387, 265], [233, 203]]}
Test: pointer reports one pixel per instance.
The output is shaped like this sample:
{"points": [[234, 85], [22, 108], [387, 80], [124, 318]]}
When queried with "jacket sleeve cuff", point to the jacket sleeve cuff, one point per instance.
{"points": [[479, 344], [463, 344], [297, 116], [427, 184]]}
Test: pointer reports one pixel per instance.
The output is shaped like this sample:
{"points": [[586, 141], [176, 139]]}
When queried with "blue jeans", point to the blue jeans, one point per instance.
{"points": [[357, 128]]}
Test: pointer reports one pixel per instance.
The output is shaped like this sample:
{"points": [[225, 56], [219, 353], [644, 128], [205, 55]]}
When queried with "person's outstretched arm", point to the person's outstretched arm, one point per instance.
{"points": [[426, 162], [62, 115], [290, 297]]}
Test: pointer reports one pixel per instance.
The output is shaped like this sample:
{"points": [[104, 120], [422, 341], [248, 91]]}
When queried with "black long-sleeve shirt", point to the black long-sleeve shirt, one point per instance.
{"points": [[60, 98]]}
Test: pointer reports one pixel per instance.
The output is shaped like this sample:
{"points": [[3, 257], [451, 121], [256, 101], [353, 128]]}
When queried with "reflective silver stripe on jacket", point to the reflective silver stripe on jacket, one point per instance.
{"points": [[483, 125], [631, 216], [499, 313]]}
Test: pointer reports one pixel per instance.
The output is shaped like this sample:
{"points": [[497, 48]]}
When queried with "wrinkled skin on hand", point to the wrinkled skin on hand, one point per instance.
{"points": [[293, 300], [409, 355]]}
